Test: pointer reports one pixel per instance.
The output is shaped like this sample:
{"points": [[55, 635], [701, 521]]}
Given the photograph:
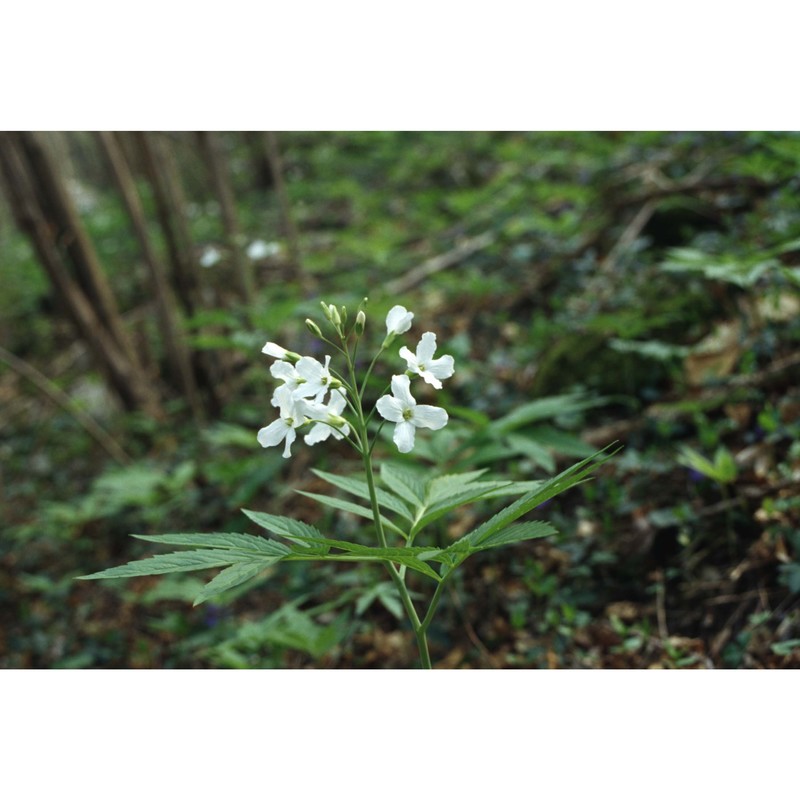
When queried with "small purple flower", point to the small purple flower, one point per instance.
{"points": [[695, 476]]}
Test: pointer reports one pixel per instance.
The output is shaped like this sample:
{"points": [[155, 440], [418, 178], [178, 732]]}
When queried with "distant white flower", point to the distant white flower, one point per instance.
{"points": [[423, 363], [398, 320], [283, 428], [330, 415], [274, 350], [316, 378], [402, 409], [261, 249], [211, 257]]}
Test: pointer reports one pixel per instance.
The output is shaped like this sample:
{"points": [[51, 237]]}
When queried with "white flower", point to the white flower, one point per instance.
{"points": [[210, 257], [281, 353], [330, 416], [403, 410], [283, 428], [315, 378], [261, 249], [275, 350], [423, 363], [398, 320], [291, 378]]}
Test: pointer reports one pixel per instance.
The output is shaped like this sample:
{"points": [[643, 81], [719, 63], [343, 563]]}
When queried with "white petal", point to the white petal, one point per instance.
{"points": [[426, 347], [390, 408], [337, 402], [281, 395], [430, 417], [443, 367], [319, 433], [309, 368], [404, 437], [430, 378], [291, 435], [401, 389], [398, 320], [274, 350], [410, 358], [283, 371], [273, 434], [287, 404]]}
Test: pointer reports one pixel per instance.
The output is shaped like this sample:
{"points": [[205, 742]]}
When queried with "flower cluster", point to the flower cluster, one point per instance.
{"points": [[299, 400], [305, 383]]}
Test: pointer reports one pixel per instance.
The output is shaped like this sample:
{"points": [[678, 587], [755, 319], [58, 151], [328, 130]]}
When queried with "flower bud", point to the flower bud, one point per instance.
{"points": [[361, 321], [313, 327], [336, 421], [326, 309]]}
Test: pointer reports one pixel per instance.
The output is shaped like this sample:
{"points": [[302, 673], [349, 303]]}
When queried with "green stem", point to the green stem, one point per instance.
{"points": [[366, 455]]}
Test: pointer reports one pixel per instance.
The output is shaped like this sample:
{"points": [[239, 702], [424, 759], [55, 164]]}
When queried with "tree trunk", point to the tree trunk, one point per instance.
{"points": [[59, 210], [220, 175], [162, 174], [43, 212], [171, 209], [297, 273], [168, 317]]}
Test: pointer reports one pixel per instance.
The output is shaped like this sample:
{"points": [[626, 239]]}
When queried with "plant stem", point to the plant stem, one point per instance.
{"points": [[420, 629]]}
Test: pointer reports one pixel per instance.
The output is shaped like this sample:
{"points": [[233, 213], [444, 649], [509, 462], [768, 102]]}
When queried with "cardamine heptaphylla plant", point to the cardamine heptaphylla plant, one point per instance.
{"points": [[330, 399]]}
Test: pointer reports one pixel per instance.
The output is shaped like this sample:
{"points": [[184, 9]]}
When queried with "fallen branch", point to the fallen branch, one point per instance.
{"points": [[438, 263], [64, 401]]}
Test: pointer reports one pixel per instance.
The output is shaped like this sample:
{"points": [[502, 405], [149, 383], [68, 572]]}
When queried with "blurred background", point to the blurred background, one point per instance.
{"points": [[592, 287]]}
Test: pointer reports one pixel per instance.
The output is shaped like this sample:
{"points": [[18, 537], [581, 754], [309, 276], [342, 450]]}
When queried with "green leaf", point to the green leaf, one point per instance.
{"points": [[570, 477], [360, 489], [412, 557], [445, 486], [518, 532], [561, 441], [543, 408], [305, 535], [232, 576], [481, 490], [346, 505], [387, 594], [241, 542], [184, 561], [403, 483], [531, 449]]}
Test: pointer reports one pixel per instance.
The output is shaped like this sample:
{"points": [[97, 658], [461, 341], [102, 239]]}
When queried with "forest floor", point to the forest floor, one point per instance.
{"points": [[662, 313]]}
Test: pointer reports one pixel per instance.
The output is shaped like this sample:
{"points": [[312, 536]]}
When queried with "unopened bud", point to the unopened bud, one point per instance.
{"points": [[344, 315], [334, 317], [361, 321], [326, 309], [336, 421], [334, 383], [313, 327]]}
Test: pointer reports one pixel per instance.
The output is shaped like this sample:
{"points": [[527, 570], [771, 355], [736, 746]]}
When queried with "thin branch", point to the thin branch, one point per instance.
{"points": [[438, 263], [287, 218], [65, 402]]}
